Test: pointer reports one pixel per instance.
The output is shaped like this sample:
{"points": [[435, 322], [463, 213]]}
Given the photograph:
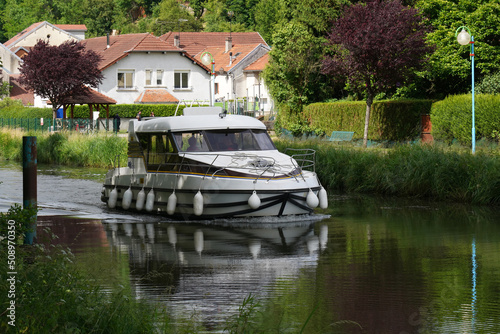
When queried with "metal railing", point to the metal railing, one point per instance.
{"points": [[223, 164], [83, 125]]}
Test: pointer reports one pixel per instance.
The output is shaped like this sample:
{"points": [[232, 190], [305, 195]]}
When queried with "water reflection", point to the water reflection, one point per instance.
{"points": [[211, 269]]}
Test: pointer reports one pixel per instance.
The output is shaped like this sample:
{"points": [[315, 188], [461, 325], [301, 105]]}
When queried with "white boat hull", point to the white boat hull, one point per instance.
{"points": [[221, 196]]}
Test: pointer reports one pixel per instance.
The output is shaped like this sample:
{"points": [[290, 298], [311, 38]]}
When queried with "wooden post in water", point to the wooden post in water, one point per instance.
{"points": [[30, 185]]}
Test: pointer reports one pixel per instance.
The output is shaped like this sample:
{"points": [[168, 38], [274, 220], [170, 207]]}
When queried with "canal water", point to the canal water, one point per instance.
{"points": [[365, 265]]}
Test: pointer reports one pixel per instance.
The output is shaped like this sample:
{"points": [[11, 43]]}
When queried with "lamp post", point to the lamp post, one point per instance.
{"points": [[464, 38], [208, 59]]}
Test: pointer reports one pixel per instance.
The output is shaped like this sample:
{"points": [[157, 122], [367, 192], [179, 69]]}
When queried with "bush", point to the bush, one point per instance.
{"points": [[14, 109], [390, 120], [490, 84], [452, 118]]}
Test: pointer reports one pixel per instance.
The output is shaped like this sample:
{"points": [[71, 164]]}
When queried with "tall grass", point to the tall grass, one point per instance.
{"points": [[92, 150], [416, 170]]}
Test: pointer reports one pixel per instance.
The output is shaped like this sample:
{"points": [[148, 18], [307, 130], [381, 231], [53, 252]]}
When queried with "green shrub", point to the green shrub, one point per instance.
{"points": [[408, 171], [396, 120], [452, 118], [14, 109], [490, 84], [130, 110]]}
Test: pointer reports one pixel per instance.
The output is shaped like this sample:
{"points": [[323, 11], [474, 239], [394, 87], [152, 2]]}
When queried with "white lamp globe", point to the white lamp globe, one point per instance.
{"points": [[463, 38], [206, 59]]}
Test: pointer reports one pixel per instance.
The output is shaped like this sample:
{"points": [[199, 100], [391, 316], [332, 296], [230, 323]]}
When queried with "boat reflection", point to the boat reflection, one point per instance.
{"points": [[209, 270]]}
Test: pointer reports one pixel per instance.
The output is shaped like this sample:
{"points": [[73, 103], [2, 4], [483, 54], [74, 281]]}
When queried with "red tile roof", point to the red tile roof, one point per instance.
{"points": [[72, 27], [195, 42], [221, 57], [259, 64], [92, 97], [18, 92], [121, 45], [156, 96]]}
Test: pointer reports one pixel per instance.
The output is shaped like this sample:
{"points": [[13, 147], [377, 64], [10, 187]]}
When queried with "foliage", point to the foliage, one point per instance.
{"points": [[56, 72], [391, 120], [490, 84], [377, 45], [170, 16], [20, 216], [5, 88], [424, 171], [53, 296], [450, 66], [73, 149], [294, 62], [452, 118], [131, 110]]}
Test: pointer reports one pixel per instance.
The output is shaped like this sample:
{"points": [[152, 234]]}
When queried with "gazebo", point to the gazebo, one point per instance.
{"points": [[93, 98]]}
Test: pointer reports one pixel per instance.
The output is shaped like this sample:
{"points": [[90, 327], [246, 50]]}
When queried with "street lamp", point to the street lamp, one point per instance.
{"points": [[208, 59], [464, 38]]}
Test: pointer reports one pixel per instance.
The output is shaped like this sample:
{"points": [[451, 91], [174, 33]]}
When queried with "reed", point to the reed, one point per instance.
{"points": [[442, 173], [92, 150]]}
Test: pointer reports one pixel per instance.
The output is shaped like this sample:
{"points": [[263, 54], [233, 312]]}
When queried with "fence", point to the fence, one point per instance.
{"points": [[83, 125]]}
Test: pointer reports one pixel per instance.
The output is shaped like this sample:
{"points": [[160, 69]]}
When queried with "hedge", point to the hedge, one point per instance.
{"points": [[389, 120], [452, 118], [13, 110]]}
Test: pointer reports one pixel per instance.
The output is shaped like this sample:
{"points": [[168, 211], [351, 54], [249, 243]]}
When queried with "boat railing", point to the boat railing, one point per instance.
{"points": [[214, 164], [304, 157]]}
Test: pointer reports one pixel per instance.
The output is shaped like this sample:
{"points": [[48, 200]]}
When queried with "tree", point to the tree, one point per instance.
{"points": [[376, 46], [450, 70], [56, 72], [294, 62]]}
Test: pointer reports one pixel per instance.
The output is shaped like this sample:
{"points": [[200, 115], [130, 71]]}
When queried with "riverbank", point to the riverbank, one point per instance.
{"points": [[424, 171]]}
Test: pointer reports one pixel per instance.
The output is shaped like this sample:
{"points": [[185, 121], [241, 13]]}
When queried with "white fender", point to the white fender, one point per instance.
{"points": [[199, 242], [323, 198], [254, 201], [172, 203], [141, 197], [198, 204], [150, 201], [312, 200], [113, 196], [127, 199]]}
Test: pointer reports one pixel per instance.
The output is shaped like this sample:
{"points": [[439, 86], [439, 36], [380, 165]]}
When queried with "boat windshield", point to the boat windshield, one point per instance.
{"points": [[223, 140]]}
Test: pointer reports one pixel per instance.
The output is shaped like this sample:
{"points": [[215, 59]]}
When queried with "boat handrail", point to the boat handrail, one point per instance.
{"points": [[305, 157]]}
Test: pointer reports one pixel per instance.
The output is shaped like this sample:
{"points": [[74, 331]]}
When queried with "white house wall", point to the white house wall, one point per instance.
{"points": [[57, 36], [169, 62], [10, 62]]}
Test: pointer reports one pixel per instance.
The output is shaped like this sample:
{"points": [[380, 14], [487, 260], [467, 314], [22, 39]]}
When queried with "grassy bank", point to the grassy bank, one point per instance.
{"points": [[72, 149], [439, 172], [442, 173]]}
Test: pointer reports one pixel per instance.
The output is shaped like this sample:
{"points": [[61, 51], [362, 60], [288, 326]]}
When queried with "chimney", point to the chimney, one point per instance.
{"points": [[107, 40], [229, 43], [177, 41]]}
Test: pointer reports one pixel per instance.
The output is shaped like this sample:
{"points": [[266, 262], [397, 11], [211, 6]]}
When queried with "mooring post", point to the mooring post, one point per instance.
{"points": [[30, 185]]}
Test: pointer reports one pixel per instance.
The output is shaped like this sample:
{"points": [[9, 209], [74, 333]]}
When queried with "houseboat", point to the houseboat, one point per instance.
{"points": [[209, 164]]}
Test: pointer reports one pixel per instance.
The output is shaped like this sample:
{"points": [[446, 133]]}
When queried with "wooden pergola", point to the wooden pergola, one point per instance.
{"points": [[93, 98]]}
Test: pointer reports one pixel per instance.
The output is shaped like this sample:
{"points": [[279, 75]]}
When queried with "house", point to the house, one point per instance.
{"points": [[12, 51], [239, 57], [142, 68]]}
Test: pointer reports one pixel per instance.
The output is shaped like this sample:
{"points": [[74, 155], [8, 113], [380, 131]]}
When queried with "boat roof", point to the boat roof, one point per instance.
{"points": [[199, 122]]}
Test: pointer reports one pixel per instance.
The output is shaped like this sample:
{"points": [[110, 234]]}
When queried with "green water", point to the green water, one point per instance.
{"points": [[365, 265], [373, 266]]}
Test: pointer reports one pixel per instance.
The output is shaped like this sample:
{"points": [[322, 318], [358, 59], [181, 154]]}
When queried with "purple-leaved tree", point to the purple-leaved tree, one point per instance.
{"points": [[377, 45], [56, 72]]}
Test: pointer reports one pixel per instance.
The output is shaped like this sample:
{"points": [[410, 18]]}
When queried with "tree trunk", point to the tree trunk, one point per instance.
{"points": [[369, 101]]}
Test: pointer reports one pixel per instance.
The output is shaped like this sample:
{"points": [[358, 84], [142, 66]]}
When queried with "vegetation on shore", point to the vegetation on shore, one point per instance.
{"points": [[436, 171]]}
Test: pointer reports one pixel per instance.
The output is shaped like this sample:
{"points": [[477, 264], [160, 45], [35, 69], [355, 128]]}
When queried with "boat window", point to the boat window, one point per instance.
{"points": [[223, 141], [191, 142], [158, 150]]}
